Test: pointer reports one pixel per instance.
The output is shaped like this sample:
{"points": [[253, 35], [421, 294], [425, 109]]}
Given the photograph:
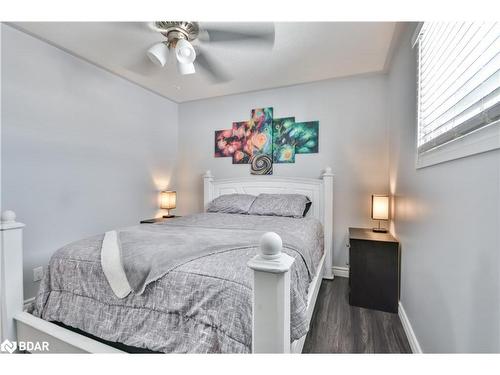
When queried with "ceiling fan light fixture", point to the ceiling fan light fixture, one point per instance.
{"points": [[186, 68], [185, 54], [158, 54]]}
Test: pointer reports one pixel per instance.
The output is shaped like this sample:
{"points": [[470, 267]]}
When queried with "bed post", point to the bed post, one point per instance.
{"points": [[271, 297], [327, 177], [11, 274], [208, 179]]}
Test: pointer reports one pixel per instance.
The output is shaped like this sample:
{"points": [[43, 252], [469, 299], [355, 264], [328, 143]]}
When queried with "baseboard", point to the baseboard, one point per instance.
{"points": [[412, 339], [340, 271]]}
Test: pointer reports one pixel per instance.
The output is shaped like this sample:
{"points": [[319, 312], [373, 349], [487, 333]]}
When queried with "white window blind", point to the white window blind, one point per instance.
{"points": [[458, 80]]}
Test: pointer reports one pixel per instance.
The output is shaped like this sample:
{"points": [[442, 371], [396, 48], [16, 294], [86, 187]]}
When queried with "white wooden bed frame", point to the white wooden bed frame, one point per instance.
{"points": [[271, 291]]}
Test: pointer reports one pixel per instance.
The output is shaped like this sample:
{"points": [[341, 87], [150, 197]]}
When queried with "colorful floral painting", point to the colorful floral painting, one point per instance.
{"points": [[226, 144], [262, 140], [261, 127], [306, 136], [283, 143], [242, 132]]}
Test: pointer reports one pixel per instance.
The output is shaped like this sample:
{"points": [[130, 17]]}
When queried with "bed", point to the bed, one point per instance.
{"points": [[234, 299]]}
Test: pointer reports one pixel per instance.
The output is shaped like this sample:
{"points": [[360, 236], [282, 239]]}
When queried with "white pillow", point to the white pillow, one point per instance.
{"points": [[231, 203], [290, 205]]}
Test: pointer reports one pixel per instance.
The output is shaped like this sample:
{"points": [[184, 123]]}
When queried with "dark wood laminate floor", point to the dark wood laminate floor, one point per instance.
{"points": [[337, 327]]}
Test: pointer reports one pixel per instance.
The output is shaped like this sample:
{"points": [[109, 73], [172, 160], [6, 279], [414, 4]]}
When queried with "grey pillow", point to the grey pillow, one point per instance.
{"points": [[290, 205], [231, 203]]}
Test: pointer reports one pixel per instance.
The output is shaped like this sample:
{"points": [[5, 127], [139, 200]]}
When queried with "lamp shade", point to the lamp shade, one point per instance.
{"points": [[168, 199], [186, 55], [380, 207], [185, 69], [158, 54]]}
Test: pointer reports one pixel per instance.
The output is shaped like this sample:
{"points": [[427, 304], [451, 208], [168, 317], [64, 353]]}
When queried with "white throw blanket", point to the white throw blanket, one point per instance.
{"points": [[112, 266]]}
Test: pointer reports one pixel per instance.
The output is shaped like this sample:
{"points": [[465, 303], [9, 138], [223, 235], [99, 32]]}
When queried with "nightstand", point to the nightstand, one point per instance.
{"points": [[374, 270], [157, 220]]}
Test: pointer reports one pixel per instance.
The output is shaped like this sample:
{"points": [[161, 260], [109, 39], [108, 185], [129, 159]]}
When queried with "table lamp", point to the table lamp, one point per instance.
{"points": [[167, 202], [380, 210]]}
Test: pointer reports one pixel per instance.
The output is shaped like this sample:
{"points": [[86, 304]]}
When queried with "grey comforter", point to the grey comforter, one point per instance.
{"points": [[202, 305]]}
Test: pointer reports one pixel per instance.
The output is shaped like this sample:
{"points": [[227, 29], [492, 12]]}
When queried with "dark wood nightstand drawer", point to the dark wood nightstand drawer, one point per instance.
{"points": [[374, 270]]}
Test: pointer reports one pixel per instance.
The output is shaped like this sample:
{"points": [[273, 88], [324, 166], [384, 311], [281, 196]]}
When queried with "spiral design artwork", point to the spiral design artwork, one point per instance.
{"points": [[262, 165]]}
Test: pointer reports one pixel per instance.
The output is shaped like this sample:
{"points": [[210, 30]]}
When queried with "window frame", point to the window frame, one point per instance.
{"points": [[484, 139], [479, 141]]}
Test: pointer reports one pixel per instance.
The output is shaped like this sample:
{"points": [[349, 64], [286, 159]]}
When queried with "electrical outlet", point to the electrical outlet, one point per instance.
{"points": [[37, 273]]}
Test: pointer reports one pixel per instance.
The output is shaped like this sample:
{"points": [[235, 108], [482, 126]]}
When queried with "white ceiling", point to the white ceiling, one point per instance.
{"points": [[303, 52]]}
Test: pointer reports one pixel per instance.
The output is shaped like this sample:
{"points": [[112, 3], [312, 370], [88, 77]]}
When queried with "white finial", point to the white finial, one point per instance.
{"points": [[270, 245], [208, 174], [8, 216], [328, 171]]}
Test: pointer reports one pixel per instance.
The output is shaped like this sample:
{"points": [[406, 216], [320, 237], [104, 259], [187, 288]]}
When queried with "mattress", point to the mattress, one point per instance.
{"points": [[201, 306]]}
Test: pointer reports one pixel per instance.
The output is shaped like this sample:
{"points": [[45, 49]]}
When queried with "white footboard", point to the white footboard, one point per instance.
{"points": [[11, 275], [47, 337], [20, 331], [271, 297]]}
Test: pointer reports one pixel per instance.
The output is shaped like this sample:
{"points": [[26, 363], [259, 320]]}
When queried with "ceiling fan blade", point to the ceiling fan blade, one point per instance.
{"points": [[210, 67], [259, 34]]}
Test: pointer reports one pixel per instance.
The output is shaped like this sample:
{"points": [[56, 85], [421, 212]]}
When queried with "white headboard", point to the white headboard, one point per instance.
{"points": [[319, 190]]}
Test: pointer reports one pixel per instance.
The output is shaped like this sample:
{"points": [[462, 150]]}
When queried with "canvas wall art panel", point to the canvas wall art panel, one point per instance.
{"points": [[226, 143], [306, 136], [261, 129], [242, 132], [283, 143], [261, 165]]}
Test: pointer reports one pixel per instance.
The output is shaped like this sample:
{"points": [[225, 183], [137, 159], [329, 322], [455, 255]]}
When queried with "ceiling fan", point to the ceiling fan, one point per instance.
{"points": [[187, 41]]}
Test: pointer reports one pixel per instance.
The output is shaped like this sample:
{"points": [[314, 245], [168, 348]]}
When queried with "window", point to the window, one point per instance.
{"points": [[458, 82]]}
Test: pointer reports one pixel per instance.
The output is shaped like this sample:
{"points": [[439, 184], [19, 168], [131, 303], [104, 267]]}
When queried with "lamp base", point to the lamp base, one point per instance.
{"points": [[379, 230], [168, 216]]}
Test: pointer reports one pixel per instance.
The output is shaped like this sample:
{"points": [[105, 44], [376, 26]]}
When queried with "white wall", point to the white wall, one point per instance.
{"points": [[353, 141], [447, 219], [83, 151]]}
